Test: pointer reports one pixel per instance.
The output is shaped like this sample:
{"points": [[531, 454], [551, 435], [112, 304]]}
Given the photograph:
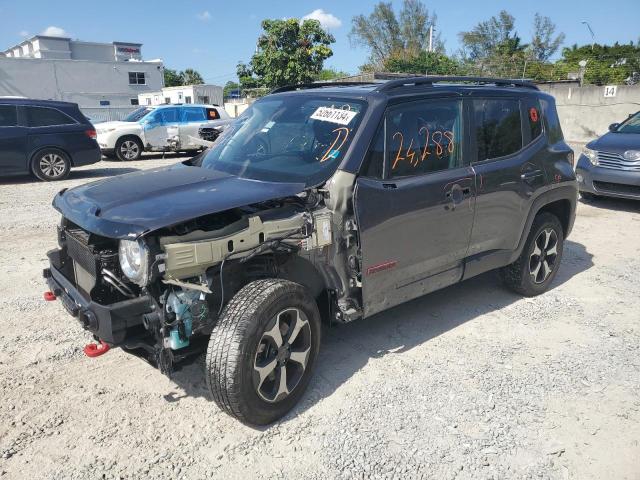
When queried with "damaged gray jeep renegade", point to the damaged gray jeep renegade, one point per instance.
{"points": [[333, 201]]}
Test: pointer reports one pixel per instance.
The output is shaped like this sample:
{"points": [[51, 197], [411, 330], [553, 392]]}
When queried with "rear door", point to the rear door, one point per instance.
{"points": [[414, 203], [51, 127], [191, 118], [13, 141], [507, 135]]}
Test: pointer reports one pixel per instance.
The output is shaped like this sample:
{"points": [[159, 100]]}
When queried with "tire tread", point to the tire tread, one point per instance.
{"points": [[225, 346]]}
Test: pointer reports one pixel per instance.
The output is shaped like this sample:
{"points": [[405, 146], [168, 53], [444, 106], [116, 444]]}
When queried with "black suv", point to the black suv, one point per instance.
{"points": [[45, 138], [333, 201]]}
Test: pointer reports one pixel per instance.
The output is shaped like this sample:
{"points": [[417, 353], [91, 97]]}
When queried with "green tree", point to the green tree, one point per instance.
{"points": [[491, 37], [191, 77], [426, 63], [247, 80], [544, 44], [327, 74], [387, 34], [288, 52], [229, 87], [606, 64], [172, 78]]}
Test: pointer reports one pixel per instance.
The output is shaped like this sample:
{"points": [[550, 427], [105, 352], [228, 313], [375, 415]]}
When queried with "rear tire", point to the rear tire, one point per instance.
{"points": [[532, 273], [128, 149], [51, 164], [262, 351]]}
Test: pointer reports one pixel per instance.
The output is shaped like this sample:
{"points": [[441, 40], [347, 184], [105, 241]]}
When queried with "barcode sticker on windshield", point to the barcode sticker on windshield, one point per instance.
{"points": [[333, 115]]}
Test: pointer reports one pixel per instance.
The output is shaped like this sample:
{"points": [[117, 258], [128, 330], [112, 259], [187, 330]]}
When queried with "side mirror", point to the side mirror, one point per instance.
{"points": [[613, 127]]}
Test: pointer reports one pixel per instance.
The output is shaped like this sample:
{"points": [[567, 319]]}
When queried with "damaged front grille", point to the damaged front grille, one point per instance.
{"points": [[95, 268], [79, 250]]}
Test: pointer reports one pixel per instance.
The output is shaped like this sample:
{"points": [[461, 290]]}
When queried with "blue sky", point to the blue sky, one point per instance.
{"points": [[213, 35]]}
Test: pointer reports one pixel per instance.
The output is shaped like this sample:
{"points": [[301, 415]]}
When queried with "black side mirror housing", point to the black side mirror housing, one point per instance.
{"points": [[613, 127]]}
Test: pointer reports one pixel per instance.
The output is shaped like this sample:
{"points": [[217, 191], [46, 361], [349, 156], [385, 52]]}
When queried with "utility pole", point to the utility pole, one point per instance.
{"points": [[430, 49], [593, 36]]}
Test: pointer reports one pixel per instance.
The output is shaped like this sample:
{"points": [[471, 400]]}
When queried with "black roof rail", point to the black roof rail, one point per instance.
{"points": [[306, 86], [429, 80]]}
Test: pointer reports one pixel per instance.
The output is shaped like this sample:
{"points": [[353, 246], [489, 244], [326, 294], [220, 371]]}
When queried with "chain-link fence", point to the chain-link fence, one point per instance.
{"points": [[106, 114], [596, 69]]}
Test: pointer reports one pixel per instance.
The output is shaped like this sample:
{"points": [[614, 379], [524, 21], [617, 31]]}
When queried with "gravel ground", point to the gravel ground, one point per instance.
{"points": [[471, 382]]}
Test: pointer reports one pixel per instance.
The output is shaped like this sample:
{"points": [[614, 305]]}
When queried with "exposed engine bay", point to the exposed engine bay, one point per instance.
{"points": [[180, 278]]}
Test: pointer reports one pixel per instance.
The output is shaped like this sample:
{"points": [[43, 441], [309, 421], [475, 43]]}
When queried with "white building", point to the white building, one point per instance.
{"points": [[93, 75], [206, 94]]}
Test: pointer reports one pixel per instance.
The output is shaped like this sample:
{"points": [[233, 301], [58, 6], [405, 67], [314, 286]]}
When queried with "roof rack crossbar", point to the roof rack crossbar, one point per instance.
{"points": [[430, 80], [306, 86]]}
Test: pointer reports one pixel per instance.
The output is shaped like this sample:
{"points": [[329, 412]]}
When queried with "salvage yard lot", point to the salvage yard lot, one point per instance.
{"points": [[469, 382]]}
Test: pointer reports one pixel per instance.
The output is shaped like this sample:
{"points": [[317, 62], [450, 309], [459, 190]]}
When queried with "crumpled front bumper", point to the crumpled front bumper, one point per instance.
{"points": [[112, 323]]}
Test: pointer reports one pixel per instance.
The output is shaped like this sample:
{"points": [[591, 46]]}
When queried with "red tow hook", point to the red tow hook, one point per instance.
{"points": [[96, 349], [50, 296]]}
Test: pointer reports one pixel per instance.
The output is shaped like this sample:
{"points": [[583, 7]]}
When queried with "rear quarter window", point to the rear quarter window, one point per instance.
{"points": [[212, 114], [533, 117], [47, 117], [551, 121], [8, 116]]}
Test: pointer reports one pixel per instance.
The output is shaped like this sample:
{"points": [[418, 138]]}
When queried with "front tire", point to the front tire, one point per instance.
{"points": [[532, 273], [128, 149], [51, 164], [262, 351]]}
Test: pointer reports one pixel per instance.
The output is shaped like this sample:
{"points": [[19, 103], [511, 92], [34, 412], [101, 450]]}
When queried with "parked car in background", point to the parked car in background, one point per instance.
{"points": [[322, 199], [44, 138], [158, 129], [610, 165]]}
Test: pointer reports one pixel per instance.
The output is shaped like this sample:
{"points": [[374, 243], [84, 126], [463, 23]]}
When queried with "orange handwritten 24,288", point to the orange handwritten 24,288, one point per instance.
{"points": [[436, 137]]}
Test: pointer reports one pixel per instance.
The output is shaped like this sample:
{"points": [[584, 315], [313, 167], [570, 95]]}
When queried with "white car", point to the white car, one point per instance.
{"points": [[158, 129]]}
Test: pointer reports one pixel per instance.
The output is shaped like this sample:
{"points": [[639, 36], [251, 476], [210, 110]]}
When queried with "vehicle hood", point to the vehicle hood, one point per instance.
{"points": [[616, 142], [118, 125], [137, 203]]}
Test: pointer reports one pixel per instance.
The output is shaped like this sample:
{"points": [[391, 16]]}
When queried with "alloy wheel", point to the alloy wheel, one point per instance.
{"points": [[544, 255], [129, 149], [52, 165], [282, 355]]}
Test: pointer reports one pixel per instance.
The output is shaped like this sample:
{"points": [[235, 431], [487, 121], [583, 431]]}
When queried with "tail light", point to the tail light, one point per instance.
{"points": [[571, 158], [91, 134]]}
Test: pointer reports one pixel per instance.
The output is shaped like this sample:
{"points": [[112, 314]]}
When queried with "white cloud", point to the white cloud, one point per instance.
{"points": [[204, 16], [54, 31], [327, 20], [23, 33]]}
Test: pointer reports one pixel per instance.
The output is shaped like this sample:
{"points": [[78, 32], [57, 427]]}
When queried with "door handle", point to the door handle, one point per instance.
{"points": [[389, 186]]}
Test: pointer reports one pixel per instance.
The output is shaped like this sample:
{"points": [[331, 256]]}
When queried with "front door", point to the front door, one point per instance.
{"points": [[13, 139], [156, 131], [416, 212]]}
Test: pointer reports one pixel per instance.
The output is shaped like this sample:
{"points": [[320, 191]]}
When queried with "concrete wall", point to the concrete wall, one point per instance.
{"points": [[101, 52], [210, 94], [82, 82], [585, 113]]}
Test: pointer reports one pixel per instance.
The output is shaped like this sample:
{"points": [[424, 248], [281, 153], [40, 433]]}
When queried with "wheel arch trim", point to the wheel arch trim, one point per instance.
{"points": [[565, 193], [49, 147]]}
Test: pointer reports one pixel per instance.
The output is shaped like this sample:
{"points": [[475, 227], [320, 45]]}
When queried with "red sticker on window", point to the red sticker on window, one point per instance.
{"points": [[533, 114]]}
